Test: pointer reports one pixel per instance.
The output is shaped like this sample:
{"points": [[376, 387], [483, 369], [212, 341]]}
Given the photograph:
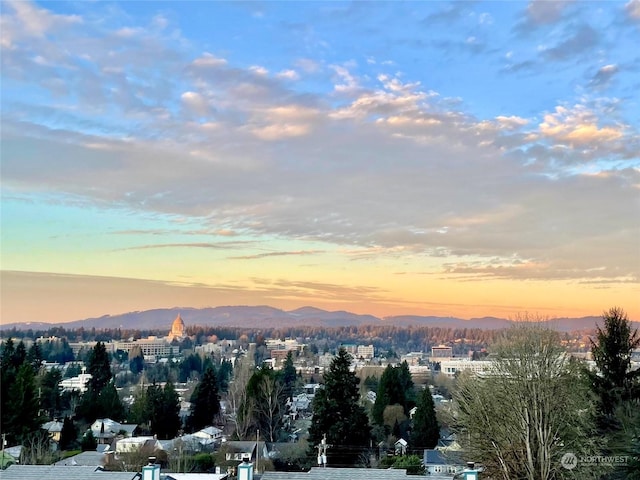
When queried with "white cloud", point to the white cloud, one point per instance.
{"points": [[288, 74], [578, 127], [196, 103], [348, 83], [209, 60], [633, 9], [39, 21], [511, 122], [258, 70]]}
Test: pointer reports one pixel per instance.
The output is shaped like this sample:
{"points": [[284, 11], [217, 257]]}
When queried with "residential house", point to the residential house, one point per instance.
{"points": [[134, 444], [208, 436], [54, 429], [438, 462], [106, 430], [400, 447], [238, 451]]}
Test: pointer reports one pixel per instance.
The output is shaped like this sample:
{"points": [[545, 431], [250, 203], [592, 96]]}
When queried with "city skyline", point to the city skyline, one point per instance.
{"points": [[460, 159]]}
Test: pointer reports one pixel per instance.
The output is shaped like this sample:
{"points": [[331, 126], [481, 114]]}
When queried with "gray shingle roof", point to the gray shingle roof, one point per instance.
{"points": [[56, 472], [339, 474], [88, 459]]}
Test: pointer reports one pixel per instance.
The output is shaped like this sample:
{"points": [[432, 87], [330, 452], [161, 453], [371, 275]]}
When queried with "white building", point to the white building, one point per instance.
{"points": [[365, 351], [451, 367], [134, 444], [78, 383], [152, 347]]}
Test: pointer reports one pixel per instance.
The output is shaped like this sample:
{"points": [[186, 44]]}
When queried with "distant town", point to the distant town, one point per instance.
{"points": [[223, 400]]}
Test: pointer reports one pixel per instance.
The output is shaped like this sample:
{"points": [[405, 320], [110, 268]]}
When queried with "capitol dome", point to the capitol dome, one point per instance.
{"points": [[177, 329]]}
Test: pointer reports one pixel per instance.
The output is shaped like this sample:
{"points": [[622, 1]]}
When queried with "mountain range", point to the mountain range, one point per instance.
{"points": [[270, 317]]}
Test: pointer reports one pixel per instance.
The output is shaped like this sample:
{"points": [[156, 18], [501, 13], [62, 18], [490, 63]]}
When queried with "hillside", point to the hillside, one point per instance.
{"points": [[270, 317]]}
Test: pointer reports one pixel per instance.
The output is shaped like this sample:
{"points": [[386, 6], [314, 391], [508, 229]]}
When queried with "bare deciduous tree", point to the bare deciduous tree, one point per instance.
{"points": [[534, 408], [269, 408], [241, 405]]}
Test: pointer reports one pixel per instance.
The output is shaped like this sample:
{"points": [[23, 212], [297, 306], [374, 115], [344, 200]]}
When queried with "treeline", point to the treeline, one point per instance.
{"points": [[383, 337]]}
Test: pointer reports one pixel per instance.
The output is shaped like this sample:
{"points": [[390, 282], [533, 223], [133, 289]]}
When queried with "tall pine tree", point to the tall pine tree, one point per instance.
{"points": [[338, 414], [614, 381], [91, 405], [617, 387], [205, 402], [426, 431], [289, 377]]}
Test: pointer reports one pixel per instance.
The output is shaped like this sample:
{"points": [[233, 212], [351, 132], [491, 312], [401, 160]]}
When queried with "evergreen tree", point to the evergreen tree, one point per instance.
{"points": [[91, 405], [289, 376], [617, 388], [50, 398], [139, 412], [7, 378], [406, 385], [614, 381], [88, 442], [224, 374], [338, 414], [163, 407], [205, 402], [24, 419], [136, 360], [19, 355], [426, 431], [34, 356], [99, 368], [192, 363], [171, 423], [390, 392], [109, 404], [68, 435]]}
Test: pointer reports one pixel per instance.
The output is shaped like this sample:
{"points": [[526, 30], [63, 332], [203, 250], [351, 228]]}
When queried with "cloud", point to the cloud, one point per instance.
{"points": [[584, 39], [207, 245], [380, 167], [288, 74], [632, 9], [29, 20], [603, 76], [196, 103], [578, 127], [209, 60], [447, 15], [276, 254], [544, 12], [541, 13]]}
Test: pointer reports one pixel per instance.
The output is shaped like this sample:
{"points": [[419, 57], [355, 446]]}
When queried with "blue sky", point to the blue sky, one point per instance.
{"points": [[462, 158]]}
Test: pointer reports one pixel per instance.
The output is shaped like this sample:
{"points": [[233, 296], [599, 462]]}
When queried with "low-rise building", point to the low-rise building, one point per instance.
{"points": [[440, 353], [78, 383], [452, 367], [365, 351]]}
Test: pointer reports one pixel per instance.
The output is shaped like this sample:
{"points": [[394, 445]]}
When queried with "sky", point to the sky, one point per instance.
{"points": [[461, 159]]}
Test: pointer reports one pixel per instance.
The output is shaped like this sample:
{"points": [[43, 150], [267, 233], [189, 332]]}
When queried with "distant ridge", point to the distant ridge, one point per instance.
{"points": [[263, 316]]}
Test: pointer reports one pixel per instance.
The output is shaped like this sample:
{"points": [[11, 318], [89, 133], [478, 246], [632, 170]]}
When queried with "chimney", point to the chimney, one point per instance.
{"points": [[151, 471], [470, 473], [245, 469]]}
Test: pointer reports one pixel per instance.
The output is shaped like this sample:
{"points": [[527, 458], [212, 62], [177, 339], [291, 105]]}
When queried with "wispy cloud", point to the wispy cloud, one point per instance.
{"points": [[276, 254]]}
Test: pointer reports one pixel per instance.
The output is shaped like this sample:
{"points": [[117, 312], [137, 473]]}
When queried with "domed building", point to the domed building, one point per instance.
{"points": [[177, 329]]}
